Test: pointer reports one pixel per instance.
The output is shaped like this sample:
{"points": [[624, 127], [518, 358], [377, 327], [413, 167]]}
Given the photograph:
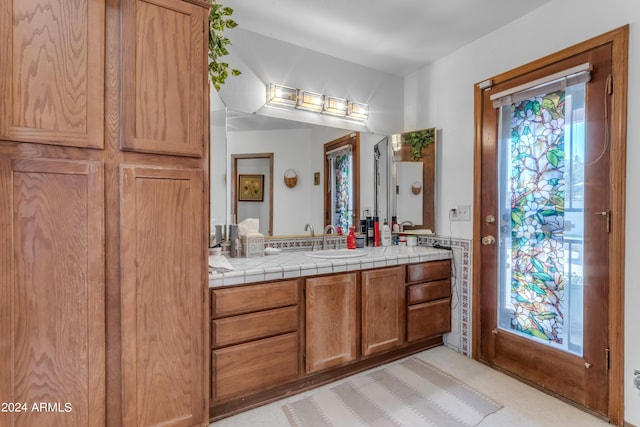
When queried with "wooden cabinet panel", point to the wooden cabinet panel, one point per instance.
{"points": [[165, 63], [163, 291], [331, 321], [52, 308], [429, 291], [253, 367], [428, 319], [237, 329], [383, 309], [52, 72], [427, 271], [247, 299]]}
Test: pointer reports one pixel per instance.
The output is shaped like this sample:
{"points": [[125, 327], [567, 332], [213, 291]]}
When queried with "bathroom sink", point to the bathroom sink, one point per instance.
{"points": [[337, 253]]}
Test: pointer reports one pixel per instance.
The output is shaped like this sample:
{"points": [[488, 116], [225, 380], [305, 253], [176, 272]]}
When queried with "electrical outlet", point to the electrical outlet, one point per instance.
{"points": [[461, 213]]}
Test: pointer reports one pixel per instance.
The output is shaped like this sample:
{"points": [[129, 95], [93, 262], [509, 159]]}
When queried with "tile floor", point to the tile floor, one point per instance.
{"points": [[524, 406]]}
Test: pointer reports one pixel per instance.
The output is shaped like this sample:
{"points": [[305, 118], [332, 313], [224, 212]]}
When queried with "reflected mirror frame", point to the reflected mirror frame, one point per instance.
{"points": [[402, 152]]}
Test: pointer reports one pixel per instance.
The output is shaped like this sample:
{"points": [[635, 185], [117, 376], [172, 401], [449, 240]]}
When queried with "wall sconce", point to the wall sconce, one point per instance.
{"points": [[416, 188], [290, 178], [357, 110], [283, 96]]}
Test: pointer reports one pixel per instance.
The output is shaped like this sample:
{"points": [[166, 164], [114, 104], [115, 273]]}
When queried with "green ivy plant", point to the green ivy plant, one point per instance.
{"points": [[418, 140], [219, 21]]}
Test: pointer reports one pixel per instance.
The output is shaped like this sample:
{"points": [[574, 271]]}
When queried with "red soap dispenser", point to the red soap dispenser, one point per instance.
{"points": [[351, 239]]}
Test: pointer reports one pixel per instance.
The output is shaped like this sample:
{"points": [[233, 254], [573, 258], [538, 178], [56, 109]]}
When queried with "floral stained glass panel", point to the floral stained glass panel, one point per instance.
{"points": [[536, 194], [342, 181]]}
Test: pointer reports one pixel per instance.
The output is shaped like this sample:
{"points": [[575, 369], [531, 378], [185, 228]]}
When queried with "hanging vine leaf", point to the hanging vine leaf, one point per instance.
{"points": [[419, 140], [219, 21]]}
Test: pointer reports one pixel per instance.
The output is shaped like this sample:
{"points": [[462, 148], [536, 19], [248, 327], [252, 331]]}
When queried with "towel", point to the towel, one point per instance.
{"points": [[219, 264]]}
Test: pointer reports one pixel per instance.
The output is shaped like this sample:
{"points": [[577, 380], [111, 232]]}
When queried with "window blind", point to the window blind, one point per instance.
{"points": [[557, 81]]}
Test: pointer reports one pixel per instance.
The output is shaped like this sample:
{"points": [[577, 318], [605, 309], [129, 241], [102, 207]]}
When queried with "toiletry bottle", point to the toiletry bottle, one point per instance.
{"points": [[386, 234], [376, 231], [370, 231], [351, 239]]}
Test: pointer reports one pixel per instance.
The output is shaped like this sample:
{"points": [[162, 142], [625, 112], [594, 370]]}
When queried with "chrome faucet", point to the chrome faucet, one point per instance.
{"points": [[403, 223], [308, 227], [324, 235]]}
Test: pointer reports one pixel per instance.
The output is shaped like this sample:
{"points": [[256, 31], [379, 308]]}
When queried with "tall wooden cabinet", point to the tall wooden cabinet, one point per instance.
{"points": [[104, 212]]}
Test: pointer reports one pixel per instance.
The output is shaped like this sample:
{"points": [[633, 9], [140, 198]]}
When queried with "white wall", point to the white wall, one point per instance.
{"points": [[441, 95]]}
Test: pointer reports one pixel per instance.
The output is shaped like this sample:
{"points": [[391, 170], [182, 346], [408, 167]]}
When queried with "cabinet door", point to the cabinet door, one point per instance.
{"points": [[331, 321], [52, 319], [165, 76], [52, 72], [383, 309], [163, 296]]}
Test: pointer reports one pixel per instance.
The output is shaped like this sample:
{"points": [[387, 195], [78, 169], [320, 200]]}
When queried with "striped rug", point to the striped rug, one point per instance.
{"points": [[409, 393]]}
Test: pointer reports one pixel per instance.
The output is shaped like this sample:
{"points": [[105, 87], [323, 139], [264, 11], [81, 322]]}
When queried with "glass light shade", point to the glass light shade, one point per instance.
{"points": [[309, 101], [335, 106], [396, 141], [281, 95], [357, 110]]}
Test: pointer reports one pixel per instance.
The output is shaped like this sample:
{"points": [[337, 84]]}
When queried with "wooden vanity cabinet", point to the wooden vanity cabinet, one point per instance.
{"points": [[254, 337], [383, 309], [428, 300]]}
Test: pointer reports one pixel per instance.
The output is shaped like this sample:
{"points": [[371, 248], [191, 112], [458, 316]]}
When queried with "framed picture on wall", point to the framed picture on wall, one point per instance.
{"points": [[250, 188]]}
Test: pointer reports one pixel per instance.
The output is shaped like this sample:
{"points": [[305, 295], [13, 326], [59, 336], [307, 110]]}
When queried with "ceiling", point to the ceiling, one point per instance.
{"points": [[393, 36]]}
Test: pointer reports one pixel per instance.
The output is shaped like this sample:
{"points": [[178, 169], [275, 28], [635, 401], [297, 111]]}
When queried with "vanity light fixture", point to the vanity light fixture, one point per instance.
{"points": [[357, 110], [284, 96], [281, 95], [396, 141], [334, 106], [310, 101]]}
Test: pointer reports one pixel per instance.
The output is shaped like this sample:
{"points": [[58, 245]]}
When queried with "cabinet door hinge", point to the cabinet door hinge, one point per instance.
{"points": [[304, 291], [607, 359], [610, 84]]}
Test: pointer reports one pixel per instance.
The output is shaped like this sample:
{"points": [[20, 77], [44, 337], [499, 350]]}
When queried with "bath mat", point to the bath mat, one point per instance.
{"points": [[408, 393]]}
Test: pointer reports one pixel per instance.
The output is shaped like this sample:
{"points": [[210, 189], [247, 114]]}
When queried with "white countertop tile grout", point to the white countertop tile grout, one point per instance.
{"points": [[297, 264]]}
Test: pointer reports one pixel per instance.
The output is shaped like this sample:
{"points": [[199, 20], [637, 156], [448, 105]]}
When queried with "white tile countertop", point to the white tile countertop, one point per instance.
{"points": [[286, 265]]}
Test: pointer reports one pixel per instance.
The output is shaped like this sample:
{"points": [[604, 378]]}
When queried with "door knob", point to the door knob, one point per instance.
{"points": [[488, 240]]}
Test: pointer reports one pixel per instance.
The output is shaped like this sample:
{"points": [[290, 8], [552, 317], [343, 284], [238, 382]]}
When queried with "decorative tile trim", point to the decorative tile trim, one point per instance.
{"points": [[461, 249]]}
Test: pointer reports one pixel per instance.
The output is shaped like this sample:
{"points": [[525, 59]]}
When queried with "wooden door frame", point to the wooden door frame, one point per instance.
{"points": [[619, 40], [353, 140], [234, 184]]}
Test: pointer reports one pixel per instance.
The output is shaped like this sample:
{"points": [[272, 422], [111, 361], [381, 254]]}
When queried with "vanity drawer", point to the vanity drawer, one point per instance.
{"points": [[429, 291], [256, 366], [237, 329], [428, 319], [250, 298], [426, 271]]}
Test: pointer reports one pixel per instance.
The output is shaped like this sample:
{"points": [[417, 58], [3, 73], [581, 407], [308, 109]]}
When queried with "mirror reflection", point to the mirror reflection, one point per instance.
{"points": [[273, 148], [414, 164]]}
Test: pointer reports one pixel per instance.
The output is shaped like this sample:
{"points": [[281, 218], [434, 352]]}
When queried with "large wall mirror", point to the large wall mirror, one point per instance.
{"points": [[294, 146]]}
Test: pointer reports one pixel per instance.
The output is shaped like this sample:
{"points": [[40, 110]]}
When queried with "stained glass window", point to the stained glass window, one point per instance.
{"points": [[542, 144]]}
